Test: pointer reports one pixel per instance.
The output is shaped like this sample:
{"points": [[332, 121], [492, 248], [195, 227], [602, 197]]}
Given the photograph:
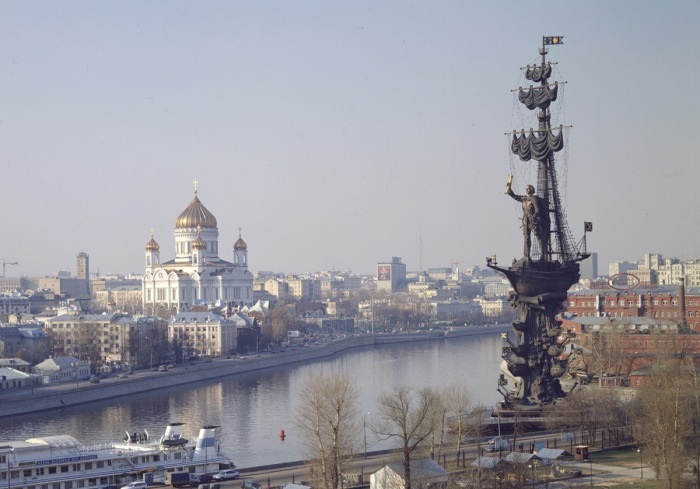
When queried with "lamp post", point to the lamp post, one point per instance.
{"points": [[364, 430], [641, 465], [9, 467], [75, 373], [150, 343]]}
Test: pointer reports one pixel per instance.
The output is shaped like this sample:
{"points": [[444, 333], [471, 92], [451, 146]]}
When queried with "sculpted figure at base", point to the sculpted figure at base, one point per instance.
{"points": [[535, 218]]}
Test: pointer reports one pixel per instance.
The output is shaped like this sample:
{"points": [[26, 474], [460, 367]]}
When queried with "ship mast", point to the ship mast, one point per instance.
{"points": [[560, 242]]}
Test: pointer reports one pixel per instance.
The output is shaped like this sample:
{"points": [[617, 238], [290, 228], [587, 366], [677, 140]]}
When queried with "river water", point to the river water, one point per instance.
{"points": [[252, 408]]}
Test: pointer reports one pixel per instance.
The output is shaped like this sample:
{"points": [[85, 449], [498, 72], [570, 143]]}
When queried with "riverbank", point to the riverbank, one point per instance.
{"points": [[59, 396]]}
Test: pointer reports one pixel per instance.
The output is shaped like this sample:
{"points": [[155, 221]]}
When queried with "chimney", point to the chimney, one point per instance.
{"points": [[681, 299]]}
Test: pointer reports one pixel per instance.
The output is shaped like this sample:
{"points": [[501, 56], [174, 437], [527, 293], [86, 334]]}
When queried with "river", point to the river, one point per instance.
{"points": [[251, 409]]}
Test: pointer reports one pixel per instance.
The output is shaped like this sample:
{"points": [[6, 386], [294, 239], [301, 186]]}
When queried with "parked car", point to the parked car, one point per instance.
{"points": [[225, 475], [497, 444], [135, 485], [205, 478], [94, 380]]}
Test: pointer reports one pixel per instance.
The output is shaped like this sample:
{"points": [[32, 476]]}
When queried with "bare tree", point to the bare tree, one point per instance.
{"points": [[409, 417], [458, 402], [663, 421], [328, 419], [282, 318]]}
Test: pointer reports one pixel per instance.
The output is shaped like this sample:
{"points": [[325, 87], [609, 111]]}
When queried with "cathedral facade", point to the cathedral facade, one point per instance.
{"points": [[196, 276]]}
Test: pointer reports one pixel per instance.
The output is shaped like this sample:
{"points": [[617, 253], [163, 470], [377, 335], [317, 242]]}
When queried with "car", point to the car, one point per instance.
{"points": [[135, 485], [225, 475], [205, 478], [497, 444], [122, 376], [94, 380]]}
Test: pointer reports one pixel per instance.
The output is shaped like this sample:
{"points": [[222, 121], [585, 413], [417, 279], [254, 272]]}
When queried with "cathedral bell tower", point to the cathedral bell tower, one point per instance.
{"points": [[152, 253], [240, 252], [199, 252]]}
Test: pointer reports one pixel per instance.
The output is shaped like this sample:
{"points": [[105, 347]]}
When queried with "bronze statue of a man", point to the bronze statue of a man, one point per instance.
{"points": [[535, 218]]}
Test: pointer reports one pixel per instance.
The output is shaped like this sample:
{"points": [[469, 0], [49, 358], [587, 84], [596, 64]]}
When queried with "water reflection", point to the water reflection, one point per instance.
{"points": [[252, 408]]}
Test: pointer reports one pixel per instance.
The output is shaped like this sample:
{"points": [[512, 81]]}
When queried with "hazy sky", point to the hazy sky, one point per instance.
{"points": [[337, 134]]}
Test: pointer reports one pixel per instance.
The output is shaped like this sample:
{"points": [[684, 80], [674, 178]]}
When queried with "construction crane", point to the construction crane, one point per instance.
{"points": [[5, 263]]}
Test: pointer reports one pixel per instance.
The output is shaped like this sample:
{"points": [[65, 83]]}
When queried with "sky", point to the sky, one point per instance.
{"points": [[337, 134]]}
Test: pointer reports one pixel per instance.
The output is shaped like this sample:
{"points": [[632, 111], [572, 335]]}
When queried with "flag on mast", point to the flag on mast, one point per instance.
{"points": [[551, 40]]}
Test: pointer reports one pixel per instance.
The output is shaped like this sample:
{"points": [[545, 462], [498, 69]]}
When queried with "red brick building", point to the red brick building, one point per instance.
{"points": [[666, 303]]}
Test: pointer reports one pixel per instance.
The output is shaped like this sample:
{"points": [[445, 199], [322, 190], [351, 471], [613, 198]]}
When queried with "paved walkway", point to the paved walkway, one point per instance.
{"points": [[603, 474]]}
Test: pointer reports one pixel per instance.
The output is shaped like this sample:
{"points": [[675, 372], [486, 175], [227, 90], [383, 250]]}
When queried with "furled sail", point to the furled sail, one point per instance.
{"points": [[537, 146], [538, 97], [538, 73]]}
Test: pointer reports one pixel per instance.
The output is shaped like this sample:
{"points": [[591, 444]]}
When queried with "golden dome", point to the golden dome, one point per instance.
{"points": [[240, 244], [196, 215], [199, 243], [152, 245]]}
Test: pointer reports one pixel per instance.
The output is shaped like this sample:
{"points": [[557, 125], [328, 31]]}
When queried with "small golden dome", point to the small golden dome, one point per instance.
{"points": [[152, 245], [240, 244], [195, 215], [199, 243]]}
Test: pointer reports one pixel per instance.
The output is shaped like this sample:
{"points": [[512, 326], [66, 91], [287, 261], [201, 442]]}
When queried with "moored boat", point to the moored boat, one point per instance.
{"points": [[61, 462]]}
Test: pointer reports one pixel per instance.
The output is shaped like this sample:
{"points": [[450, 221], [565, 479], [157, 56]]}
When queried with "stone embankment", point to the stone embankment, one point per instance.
{"points": [[59, 396]]}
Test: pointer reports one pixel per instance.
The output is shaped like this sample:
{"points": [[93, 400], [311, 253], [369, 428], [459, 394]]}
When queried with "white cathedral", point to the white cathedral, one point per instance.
{"points": [[197, 275]]}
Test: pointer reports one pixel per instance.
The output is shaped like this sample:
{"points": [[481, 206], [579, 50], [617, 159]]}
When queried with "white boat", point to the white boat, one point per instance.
{"points": [[61, 462]]}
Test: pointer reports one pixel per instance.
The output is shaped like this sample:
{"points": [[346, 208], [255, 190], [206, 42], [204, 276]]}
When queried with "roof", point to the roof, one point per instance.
{"points": [[549, 453], [196, 316], [519, 457], [11, 373], [486, 462], [654, 290]]}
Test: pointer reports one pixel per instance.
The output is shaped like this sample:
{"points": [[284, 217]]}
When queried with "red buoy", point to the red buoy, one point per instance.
{"points": [[282, 435]]}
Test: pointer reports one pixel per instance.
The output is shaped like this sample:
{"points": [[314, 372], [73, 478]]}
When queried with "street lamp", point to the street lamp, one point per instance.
{"points": [[641, 465], [150, 342], [75, 373], [364, 430], [9, 466]]}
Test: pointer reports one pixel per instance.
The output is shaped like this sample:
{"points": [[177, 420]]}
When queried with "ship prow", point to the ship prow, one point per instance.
{"points": [[531, 278]]}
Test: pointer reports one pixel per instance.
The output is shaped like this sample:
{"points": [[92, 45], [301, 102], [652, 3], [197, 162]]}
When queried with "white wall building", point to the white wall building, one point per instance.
{"points": [[196, 275]]}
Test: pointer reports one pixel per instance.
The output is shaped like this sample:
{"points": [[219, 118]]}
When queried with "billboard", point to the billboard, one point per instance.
{"points": [[383, 272]]}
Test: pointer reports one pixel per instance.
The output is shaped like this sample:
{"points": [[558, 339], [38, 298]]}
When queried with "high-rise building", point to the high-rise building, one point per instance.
{"points": [[391, 276], [589, 267], [83, 266]]}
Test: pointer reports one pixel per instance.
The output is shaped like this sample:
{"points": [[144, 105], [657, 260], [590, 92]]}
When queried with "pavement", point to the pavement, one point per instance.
{"points": [[604, 474]]}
